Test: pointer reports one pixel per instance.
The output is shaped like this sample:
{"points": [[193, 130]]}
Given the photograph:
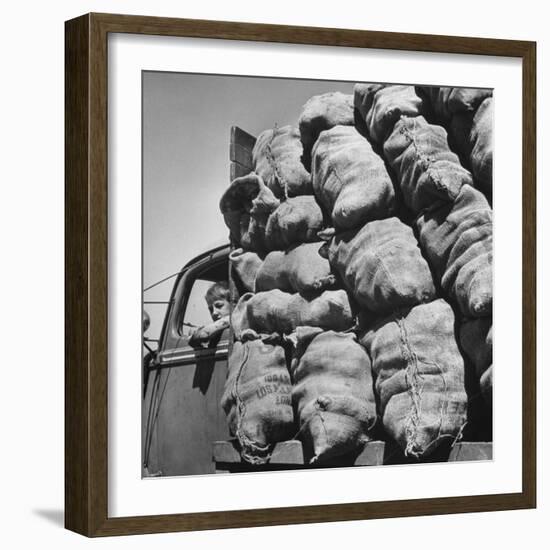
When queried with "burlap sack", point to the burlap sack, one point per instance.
{"points": [[320, 113], [333, 392], [246, 205], [381, 266], [300, 269], [427, 170], [457, 239], [277, 311], [447, 101], [257, 398], [419, 377], [238, 318], [277, 158], [349, 179], [476, 339], [481, 139], [296, 220], [245, 266], [381, 106]]}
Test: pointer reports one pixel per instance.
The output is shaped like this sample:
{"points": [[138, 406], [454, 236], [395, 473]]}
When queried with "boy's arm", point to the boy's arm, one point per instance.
{"points": [[207, 332]]}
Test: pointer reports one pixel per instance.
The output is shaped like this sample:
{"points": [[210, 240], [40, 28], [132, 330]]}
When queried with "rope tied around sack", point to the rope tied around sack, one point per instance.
{"points": [[412, 378], [444, 402], [427, 162], [251, 451], [276, 176], [425, 159]]}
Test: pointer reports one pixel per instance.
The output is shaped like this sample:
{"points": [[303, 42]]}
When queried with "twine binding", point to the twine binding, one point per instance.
{"points": [[276, 176], [251, 451]]}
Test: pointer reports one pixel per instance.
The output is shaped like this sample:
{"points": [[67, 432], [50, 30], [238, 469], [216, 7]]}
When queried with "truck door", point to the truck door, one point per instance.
{"points": [[182, 415]]}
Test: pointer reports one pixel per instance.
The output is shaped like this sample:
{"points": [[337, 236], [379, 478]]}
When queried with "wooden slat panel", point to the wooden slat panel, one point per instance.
{"points": [[471, 451], [241, 155], [242, 138], [237, 170]]}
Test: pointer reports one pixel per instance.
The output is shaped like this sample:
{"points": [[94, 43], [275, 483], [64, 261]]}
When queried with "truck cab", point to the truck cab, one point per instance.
{"points": [[183, 384]]}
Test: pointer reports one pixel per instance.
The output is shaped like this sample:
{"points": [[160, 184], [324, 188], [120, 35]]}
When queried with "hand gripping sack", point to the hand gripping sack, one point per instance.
{"points": [[245, 265], [246, 206], [296, 220], [457, 239], [277, 311], [333, 393], [349, 179], [381, 266], [446, 101], [381, 106], [419, 377], [481, 138], [427, 170], [300, 269], [323, 112], [277, 158], [476, 339], [257, 398]]}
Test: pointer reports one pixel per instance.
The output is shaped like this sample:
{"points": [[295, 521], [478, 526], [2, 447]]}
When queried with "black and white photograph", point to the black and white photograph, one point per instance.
{"points": [[317, 274]]}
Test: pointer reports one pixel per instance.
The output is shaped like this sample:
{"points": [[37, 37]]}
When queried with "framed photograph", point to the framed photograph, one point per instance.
{"points": [[282, 247]]}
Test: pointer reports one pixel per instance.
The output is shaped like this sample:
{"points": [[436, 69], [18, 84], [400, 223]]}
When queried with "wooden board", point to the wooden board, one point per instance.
{"points": [[288, 454], [242, 138], [240, 153], [470, 450], [237, 170], [371, 455]]}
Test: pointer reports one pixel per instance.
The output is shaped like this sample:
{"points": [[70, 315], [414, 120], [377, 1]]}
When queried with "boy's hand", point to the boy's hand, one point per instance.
{"points": [[198, 336], [205, 333]]}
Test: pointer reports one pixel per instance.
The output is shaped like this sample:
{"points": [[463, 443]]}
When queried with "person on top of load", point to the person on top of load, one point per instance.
{"points": [[217, 300]]}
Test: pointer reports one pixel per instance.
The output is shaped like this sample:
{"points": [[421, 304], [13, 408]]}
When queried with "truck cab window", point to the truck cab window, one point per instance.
{"points": [[197, 313], [205, 304]]}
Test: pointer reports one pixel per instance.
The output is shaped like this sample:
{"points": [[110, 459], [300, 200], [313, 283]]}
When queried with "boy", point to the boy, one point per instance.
{"points": [[217, 299]]}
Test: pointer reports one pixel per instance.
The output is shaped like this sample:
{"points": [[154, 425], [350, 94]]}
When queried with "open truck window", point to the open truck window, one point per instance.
{"points": [[196, 313], [192, 305]]}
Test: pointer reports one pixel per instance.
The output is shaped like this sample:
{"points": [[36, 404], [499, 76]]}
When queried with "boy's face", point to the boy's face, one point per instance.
{"points": [[219, 308]]}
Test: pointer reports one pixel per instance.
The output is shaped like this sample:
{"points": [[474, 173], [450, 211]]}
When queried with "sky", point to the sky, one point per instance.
{"points": [[186, 126]]}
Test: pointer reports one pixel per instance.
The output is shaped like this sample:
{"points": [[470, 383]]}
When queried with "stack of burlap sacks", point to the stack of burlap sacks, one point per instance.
{"points": [[341, 333], [453, 217]]}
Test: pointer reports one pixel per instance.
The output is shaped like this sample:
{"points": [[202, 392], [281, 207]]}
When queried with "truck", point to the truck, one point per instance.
{"points": [[184, 429]]}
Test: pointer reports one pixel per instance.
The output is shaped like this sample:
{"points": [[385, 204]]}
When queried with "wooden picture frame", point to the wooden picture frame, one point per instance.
{"points": [[86, 282]]}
